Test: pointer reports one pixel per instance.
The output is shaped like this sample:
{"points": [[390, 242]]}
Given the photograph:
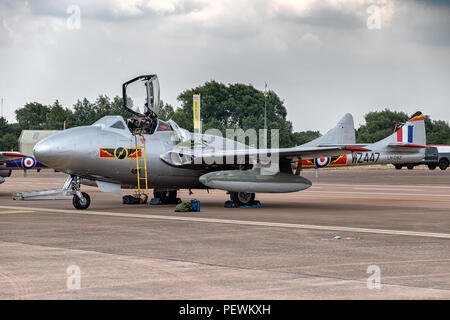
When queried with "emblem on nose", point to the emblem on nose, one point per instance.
{"points": [[121, 153]]}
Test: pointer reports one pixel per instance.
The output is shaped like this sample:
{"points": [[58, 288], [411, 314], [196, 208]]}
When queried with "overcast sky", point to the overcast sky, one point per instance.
{"points": [[324, 58]]}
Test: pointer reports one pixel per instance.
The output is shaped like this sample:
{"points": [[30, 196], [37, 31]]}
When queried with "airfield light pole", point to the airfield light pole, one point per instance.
{"points": [[2, 107]]}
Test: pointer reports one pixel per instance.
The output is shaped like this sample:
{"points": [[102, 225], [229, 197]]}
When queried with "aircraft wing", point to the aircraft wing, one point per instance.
{"points": [[9, 156], [191, 158]]}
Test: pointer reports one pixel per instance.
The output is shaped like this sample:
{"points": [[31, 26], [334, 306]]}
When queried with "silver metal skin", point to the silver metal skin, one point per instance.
{"points": [[76, 151], [342, 134]]}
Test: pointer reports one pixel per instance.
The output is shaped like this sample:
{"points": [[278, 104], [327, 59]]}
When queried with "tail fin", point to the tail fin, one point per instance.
{"points": [[342, 134], [410, 135]]}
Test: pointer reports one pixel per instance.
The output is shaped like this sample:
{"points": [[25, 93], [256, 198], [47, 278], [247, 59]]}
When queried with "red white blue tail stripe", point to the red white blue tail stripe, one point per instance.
{"points": [[405, 134]]}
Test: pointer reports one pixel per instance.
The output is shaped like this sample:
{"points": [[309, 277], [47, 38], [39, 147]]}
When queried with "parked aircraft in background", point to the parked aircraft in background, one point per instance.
{"points": [[4, 158], [16, 161]]}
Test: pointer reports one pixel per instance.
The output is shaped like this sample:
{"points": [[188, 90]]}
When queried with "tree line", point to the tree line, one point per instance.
{"points": [[222, 107]]}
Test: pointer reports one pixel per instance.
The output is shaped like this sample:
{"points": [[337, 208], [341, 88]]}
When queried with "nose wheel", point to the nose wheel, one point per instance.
{"points": [[81, 200]]}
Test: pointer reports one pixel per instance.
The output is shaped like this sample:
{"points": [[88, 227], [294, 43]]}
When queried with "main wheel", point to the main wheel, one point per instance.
{"points": [[242, 198], [431, 166], [410, 166], [398, 166], [166, 197], [81, 204], [443, 164]]}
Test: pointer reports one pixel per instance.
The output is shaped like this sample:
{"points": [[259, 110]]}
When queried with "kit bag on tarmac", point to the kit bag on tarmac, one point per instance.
{"points": [[188, 206], [185, 206]]}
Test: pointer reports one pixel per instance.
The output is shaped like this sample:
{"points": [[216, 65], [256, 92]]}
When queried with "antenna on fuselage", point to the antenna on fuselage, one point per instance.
{"points": [[265, 115], [265, 107]]}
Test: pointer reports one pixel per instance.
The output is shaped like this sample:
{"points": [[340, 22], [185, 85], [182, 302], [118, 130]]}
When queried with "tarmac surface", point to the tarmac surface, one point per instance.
{"points": [[392, 224]]}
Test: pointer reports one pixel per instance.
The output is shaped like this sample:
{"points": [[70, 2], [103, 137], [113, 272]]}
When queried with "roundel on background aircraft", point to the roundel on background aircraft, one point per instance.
{"points": [[28, 162], [322, 162]]}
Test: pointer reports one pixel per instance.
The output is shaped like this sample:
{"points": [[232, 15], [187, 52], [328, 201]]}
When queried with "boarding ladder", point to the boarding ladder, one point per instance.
{"points": [[141, 163]]}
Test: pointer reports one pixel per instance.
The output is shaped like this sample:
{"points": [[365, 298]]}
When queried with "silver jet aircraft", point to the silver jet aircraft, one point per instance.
{"points": [[147, 152]]}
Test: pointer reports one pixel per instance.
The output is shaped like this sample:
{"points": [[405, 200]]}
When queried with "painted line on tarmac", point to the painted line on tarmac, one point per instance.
{"points": [[385, 189], [393, 186], [359, 196], [379, 193], [243, 222], [16, 211]]}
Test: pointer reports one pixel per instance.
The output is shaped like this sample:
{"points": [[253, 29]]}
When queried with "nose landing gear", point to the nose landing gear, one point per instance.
{"points": [[70, 191], [81, 201]]}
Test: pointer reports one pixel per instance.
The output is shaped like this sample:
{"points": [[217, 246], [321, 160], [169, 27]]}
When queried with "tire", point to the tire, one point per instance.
{"points": [[242, 198], [410, 166], [79, 204], [167, 197], [431, 166], [398, 166], [443, 164]]}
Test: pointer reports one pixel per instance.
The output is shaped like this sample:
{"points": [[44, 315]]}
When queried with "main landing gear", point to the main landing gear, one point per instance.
{"points": [[165, 197], [242, 199]]}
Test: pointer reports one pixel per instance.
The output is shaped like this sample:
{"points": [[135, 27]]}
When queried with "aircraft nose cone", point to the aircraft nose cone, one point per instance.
{"points": [[42, 151], [69, 150], [45, 151], [55, 151]]}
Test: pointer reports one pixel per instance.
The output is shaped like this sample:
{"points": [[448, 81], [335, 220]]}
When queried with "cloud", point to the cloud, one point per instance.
{"points": [[318, 56], [116, 9]]}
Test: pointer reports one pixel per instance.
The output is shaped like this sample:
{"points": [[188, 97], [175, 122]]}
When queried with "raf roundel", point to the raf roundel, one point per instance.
{"points": [[28, 162], [322, 162]]}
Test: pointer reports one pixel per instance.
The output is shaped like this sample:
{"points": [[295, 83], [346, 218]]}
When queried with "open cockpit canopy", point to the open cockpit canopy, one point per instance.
{"points": [[141, 95]]}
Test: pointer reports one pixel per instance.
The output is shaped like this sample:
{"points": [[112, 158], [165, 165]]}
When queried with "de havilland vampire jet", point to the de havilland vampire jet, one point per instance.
{"points": [[114, 153]]}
